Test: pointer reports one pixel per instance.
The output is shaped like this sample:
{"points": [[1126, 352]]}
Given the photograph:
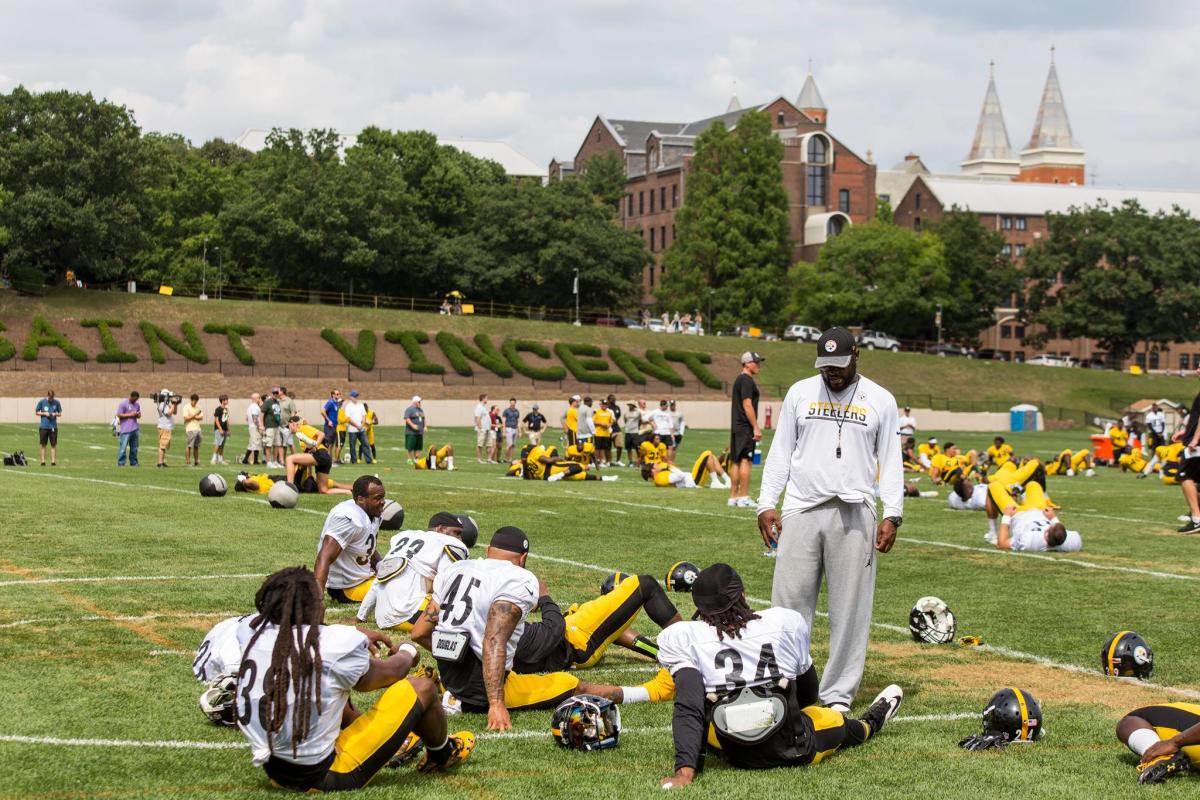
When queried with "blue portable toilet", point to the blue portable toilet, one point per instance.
{"points": [[1023, 417]]}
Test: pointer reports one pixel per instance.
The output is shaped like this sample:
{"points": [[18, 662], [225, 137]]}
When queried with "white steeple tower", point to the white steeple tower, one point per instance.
{"points": [[991, 153]]}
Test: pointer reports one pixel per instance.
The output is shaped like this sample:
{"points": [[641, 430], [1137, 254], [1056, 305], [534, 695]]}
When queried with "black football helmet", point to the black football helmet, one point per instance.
{"points": [[681, 576], [1126, 654], [932, 621], [1015, 714], [611, 581], [586, 722]]}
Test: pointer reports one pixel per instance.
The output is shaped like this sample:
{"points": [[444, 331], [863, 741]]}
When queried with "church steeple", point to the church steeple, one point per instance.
{"points": [[810, 100], [991, 153], [1052, 155]]}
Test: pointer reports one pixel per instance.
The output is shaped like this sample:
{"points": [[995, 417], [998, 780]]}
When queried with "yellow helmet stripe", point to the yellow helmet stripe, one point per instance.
{"points": [[1024, 713], [1109, 667], [671, 569]]}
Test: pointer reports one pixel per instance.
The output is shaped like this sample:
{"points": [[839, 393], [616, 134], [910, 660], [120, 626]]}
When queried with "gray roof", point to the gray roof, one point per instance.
{"points": [[1052, 128], [991, 135], [633, 133], [1034, 199], [810, 96], [730, 118]]}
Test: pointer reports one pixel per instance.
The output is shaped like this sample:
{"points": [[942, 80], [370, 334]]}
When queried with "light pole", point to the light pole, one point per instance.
{"points": [[709, 320], [575, 288], [220, 270], [937, 320], [204, 272]]}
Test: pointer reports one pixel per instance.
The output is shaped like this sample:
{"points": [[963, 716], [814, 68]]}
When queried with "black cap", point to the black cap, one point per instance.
{"points": [[470, 531], [835, 348], [511, 539], [717, 588]]}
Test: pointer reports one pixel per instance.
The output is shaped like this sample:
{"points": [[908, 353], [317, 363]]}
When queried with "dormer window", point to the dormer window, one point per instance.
{"points": [[779, 118]]}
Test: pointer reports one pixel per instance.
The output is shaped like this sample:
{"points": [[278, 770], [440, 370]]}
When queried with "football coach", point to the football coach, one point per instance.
{"points": [[836, 434]]}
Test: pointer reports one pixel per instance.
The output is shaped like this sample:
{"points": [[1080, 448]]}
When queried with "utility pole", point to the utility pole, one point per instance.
{"points": [[575, 288], [937, 320], [204, 272]]}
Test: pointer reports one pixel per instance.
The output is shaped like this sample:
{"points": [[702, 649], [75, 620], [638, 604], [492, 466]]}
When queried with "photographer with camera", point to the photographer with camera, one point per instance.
{"points": [[168, 403]]}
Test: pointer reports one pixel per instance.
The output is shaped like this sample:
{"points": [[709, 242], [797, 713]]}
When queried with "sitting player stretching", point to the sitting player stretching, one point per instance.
{"points": [[706, 467], [738, 672], [315, 456], [542, 464], [1069, 463], [1031, 525]]}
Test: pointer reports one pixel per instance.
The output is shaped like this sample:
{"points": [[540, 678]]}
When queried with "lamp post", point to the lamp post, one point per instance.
{"points": [[575, 289], [709, 320], [937, 320], [204, 272], [220, 270]]}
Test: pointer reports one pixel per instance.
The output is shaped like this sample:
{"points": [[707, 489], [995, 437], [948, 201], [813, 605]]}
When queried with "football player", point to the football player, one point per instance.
{"points": [[404, 577], [216, 664], [437, 458], [912, 462], [346, 555], [305, 483], [1166, 737], [583, 454], [474, 623], [967, 496], [1071, 462], [653, 450], [295, 681], [1000, 453], [926, 452], [543, 464], [945, 465], [733, 660], [1031, 525], [315, 456], [667, 475], [1166, 462]]}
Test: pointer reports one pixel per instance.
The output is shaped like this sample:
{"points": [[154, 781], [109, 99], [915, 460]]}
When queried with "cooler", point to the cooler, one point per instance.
{"points": [[1102, 448]]}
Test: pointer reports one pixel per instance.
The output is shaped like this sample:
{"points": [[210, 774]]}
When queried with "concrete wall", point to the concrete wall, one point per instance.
{"points": [[457, 413]]}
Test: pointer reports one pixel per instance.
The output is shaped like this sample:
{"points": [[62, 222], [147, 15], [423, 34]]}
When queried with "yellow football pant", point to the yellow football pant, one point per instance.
{"points": [[700, 468], [831, 731], [352, 594], [1008, 475], [596, 624], [1169, 719], [538, 691], [574, 471]]}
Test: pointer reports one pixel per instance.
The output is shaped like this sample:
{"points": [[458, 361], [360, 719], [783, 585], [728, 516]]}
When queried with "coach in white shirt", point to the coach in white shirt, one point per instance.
{"points": [[836, 431], [907, 423]]}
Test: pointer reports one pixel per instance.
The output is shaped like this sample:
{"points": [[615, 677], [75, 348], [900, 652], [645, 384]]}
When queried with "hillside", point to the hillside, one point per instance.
{"points": [[288, 335]]}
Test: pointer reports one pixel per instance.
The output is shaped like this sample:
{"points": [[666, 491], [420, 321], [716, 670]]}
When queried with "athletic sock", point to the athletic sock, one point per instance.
{"points": [[450, 462], [439, 754], [635, 694], [1141, 739], [991, 526], [646, 646]]}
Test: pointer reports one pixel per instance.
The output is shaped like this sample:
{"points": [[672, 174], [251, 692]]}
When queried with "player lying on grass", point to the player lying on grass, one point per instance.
{"points": [[315, 456], [346, 555], [437, 458], [1166, 737], [968, 495], [1069, 463], [706, 468], [1031, 525], [474, 624], [739, 673], [404, 577], [295, 682], [305, 483]]}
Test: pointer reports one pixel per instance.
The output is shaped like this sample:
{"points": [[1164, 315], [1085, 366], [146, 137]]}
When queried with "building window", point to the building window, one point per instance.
{"points": [[1020, 223], [1140, 359], [1019, 331], [672, 231], [1006, 332], [917, 201], [651, 201], [653, 243], [816, 149], [844, 201], [662, 237], [1020, 251], [1006, 251], [779, 118], [887, 198], [662, 198], [1183, 361], [651, 276], [641, 203], [816, 185], [1006, 223], [675, 195], [629, 197], [1153, 359]]}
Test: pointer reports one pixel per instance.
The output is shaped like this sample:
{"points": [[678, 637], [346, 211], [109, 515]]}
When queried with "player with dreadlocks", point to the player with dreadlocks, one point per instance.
{"points": [[294, 685], [735, 667]]}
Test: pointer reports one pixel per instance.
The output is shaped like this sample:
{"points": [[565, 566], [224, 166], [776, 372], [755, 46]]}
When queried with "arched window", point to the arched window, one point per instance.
{"points": [[835, 225], [816, 150]]}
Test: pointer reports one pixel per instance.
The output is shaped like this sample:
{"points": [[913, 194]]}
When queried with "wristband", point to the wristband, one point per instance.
{"points": [[1006, 520], [411, 649]]}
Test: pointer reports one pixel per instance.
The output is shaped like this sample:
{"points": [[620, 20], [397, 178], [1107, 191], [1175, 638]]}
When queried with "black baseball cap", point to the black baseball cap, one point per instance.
{"points": [[717, 588], [835, 348], [470, 531], [510, 538]]}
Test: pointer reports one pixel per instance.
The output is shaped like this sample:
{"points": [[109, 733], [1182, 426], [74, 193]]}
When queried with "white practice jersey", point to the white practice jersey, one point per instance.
{"points": [[221, 651], [976, 502], [770, 648], [1028, 532], [663, 421], [411, 564], [466, 590], [350, 527], [345, 658]]}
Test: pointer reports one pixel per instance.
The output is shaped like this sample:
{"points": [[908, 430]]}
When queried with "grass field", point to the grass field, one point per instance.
{"points": [[111, 578]]}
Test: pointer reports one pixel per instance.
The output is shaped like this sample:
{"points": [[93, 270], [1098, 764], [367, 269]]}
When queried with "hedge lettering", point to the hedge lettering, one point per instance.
{"points": [[512, 349], [585, 363], [191, 348], [43, 334], [653, 365], [234, 333], [411, 341], [695, 362], [111, 354], [487, 356], [7, 348], [362, 356]]}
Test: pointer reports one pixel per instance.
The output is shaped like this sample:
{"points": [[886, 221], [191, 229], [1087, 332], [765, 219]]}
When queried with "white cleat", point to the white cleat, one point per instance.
{"points": [[747, 502], [1090, 473], [989, 537], [608, 477], [893, 696], [929, 494]]}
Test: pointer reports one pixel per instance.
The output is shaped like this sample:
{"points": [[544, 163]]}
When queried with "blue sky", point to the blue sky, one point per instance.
{"points": [[898, 77]]}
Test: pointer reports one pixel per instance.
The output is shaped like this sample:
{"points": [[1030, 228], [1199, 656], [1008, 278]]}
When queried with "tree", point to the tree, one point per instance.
{"points": [[981, 279], [605, 177], [883, 210], [1118, 275], [732, 229], [875, 274]]}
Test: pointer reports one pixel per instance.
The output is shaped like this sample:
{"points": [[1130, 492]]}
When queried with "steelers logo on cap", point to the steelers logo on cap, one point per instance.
{"points": [[830, 346]]}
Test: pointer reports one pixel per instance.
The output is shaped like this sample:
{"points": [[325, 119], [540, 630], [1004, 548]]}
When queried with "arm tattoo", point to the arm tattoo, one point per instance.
{"points": [[502, 619]]}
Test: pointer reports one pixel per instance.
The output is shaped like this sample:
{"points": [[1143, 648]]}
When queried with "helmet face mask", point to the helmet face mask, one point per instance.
{"points": [[586, 722], [932, 621], [216, 701], [1126, 654]]}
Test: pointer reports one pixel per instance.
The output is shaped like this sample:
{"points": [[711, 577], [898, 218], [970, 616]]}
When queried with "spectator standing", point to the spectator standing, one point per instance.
{"points": [[630, 428], [220, 429], [679, 424], [664, 427], [356, 433], [618, 435], [1189, 470], [535, 424], [512, 427], [254, 428], [329, 417], [495, 430], [272, 417], [128, 413], [835, 450], [645, 427], [370, 420], [744, 431], [1156, 424], [48, 411], [603, 420], [414, 429], [167, 406], [192, 417], [287, 408], [483, 424], [907, 423]]}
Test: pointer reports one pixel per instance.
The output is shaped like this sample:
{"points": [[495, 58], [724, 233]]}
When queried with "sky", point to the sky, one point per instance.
{"points": [[898, 77]]}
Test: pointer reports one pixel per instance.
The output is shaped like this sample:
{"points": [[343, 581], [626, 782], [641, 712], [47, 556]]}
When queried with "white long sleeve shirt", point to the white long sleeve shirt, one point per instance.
{"points": [[802, 464]]}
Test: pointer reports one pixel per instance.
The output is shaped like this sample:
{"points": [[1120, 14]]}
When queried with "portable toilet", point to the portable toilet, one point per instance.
{"points": [[1023, 417]]}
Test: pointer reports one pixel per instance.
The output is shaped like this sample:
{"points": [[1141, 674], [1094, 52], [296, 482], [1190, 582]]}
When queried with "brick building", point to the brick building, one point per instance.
{"points": [[828, 185]]}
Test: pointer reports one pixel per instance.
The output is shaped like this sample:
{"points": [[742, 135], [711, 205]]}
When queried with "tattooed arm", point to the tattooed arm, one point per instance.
{"points": [[502, 619], [422, 631]]}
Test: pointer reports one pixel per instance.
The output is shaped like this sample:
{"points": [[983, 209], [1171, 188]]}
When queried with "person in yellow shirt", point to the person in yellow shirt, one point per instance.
{"points": [[571, 420], [942, 465], [1119, 437], [926, 452], [1071, 462], [341, 436], [1166, 458], [653, 450], [581, 454], [370, 420], [706, 467], [544, 464], [437, 458], [603, 419], [1000, 453], [315, 457]]}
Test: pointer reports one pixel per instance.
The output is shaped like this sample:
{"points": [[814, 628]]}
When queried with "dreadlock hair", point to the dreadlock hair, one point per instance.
{"points": [[289, 599], [731, 621]]}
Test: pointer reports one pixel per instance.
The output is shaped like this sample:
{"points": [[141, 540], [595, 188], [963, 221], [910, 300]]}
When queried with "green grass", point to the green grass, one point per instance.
{"points": [[920, 377], [95, 665]]}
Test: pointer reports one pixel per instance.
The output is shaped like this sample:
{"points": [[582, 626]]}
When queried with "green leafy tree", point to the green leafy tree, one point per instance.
{"points": [[732, 229], [981, 279], [605, 178], [883, 210]]}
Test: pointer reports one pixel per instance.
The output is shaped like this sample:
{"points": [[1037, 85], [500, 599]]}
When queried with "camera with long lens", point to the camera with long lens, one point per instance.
{"points": [[165, 397]]}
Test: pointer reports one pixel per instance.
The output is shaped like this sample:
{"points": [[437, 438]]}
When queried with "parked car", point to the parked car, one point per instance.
{"points": [[878, 340], [950, 349], [992, 355], [610, 322], [801, 333], [632, 323], [1049, 360]]}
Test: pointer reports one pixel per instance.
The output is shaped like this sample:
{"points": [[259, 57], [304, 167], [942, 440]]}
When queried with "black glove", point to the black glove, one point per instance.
{"points": [[985, 741]]}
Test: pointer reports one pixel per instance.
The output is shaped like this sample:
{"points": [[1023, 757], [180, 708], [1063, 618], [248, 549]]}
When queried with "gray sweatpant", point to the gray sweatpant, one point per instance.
{"points": [[836, 539]]}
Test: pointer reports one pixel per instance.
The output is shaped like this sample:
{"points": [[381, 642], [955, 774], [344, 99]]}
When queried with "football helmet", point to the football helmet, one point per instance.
{"points": [[611, 581], [391, 518], [213, 485], [932, 621], [681, 576], [216, 701], [586, 722], [1127, 654], [1015, 714]]}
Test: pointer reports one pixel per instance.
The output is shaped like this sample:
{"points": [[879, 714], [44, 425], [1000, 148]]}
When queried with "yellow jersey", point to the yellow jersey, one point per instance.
{"points": [[944, 463], [652, 454], [572, 423], [341, 423], [663, 478], [929, 450], [1119, 436], [579, 455], [603, 420], [533, 468], [1000, 455], [369, 422], [307, 435]]}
